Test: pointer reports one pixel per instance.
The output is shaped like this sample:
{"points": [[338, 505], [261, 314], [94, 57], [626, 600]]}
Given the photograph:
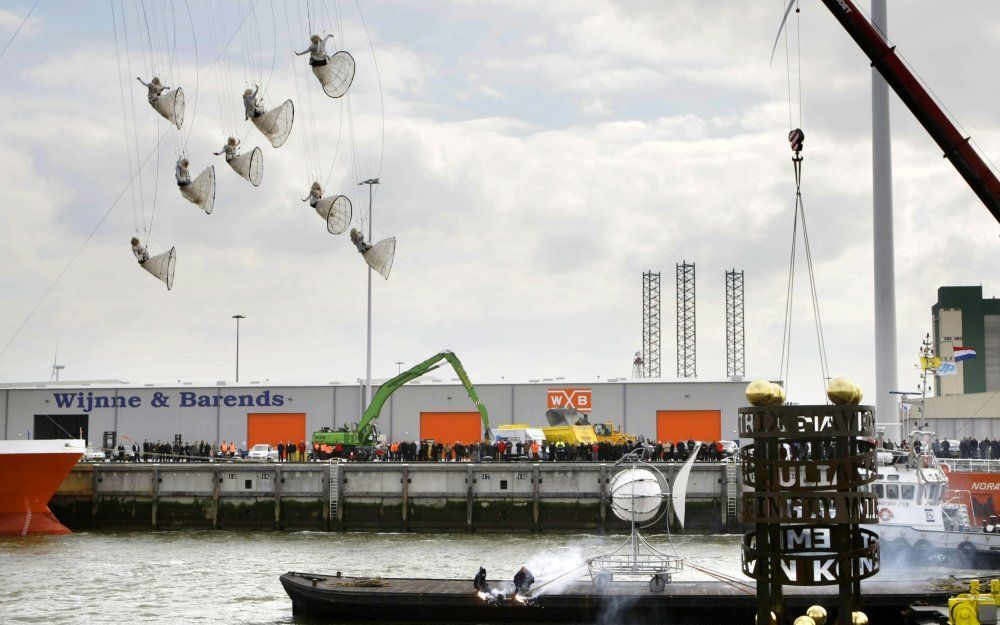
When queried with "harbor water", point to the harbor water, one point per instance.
{"points": [[232, 577]]}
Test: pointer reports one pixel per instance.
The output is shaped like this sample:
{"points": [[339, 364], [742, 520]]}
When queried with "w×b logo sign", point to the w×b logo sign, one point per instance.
{"points": [[578, 398]]}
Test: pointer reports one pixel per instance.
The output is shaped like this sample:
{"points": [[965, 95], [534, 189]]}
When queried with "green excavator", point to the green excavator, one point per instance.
{"points": [[361, 438]]}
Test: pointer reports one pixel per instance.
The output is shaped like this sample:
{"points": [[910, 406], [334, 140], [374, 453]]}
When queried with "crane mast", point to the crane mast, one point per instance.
{"points": [[957, 149]]}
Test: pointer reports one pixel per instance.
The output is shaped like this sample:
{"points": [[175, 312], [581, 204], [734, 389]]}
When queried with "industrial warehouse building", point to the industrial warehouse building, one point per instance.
{"points": [[704, 410], [957, 416]]}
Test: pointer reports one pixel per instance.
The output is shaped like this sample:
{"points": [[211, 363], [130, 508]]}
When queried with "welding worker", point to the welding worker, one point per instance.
{"points": [[523, 580], [479, 582]]}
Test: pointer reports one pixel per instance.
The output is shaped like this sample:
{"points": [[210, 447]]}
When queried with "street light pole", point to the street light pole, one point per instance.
{"points": [[371, 182], [399, 367], [237, 318]]}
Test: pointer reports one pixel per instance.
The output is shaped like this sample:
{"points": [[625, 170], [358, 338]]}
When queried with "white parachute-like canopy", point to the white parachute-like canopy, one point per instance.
{"points": [[201, 191], [379, 256], [276, 124], [337, 75], [170, 105], [336, 211], [249, 166], [162, 266]]}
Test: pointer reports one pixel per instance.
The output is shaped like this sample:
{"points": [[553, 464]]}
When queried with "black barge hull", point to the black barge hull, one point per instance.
{"points": [[338, 599]]}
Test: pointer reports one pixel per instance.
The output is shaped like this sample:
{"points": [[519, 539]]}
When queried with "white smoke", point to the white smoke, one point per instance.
{"points": [[555, 571]]}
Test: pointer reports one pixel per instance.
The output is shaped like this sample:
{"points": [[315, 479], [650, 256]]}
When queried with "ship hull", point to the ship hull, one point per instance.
{"points": [[982, 488], [31, 472]]}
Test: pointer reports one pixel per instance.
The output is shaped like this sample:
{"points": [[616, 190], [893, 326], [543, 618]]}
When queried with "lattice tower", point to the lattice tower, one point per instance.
{"points": [[686, 335], [735, 330], [650, 325]]}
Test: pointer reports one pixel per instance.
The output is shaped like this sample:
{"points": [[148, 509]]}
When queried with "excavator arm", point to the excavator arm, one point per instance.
{"points": [[366, 425], [957, 149]]}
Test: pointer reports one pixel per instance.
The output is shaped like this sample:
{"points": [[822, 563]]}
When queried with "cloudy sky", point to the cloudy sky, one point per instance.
{"points": [[538, 157]]}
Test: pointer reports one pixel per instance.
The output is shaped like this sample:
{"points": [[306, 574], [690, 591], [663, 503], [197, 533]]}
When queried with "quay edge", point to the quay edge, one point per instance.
{"points": [[517, 496]]}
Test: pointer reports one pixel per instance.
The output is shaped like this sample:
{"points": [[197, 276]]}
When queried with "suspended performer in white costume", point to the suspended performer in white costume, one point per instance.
{"points": [[315, 194], [253, 106], [139, 250], [358, 239], [182, 173], [335, 73], [155, 88], [230, 149], [316, 51]]}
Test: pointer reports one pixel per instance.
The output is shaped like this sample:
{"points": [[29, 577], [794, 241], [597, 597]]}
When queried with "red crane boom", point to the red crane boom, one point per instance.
{"points": [[957, 148]]}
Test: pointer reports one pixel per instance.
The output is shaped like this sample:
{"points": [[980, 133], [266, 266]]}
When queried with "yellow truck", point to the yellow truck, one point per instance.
{"points": [[576, 434]]}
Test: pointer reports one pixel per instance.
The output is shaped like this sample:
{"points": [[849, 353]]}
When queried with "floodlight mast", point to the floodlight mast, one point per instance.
{"points": [[368, 363]]}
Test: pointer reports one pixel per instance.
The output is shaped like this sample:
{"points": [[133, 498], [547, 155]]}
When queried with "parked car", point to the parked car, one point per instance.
{"points": [[94, 455], [730, 448], [263, 452]]}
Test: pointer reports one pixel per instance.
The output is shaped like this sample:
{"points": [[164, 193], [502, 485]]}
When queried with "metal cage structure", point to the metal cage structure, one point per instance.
{"points": [[636, 557]]}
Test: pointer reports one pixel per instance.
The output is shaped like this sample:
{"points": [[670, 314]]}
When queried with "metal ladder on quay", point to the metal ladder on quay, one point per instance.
{"points": [[334, 481], [732, 491]]}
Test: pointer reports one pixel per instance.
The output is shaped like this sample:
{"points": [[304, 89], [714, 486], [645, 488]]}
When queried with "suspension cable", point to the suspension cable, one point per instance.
{"points": [[18, 30]]}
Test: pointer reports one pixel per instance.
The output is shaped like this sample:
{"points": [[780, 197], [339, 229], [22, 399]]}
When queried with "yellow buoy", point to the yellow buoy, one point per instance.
{"points": [[817, 613], [859, 618], [759, 393], [804, 620]]}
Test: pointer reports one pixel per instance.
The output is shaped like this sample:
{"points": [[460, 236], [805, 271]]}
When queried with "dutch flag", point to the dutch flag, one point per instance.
{"points": [[964, 353]]}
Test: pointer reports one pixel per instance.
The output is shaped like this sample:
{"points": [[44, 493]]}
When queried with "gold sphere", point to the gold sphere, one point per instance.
{"points": [[817, 613], [841, 391], [774, 619], [804, 620], [759, 393], [859, 618], [777, 394], [858, 395]]}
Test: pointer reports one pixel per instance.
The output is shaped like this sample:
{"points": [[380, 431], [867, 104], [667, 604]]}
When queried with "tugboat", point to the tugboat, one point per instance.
{"points": [[917, 517]]}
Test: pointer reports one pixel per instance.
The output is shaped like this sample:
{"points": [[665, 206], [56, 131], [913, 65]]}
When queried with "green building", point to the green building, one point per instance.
{"points": [[962, 318]]}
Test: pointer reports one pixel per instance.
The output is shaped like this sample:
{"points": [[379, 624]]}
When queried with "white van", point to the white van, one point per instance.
{"points": [[523, 435]]}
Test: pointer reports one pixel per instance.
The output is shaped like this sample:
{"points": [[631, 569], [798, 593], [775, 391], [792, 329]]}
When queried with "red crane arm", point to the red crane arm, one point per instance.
{"points": [[957, 148]]}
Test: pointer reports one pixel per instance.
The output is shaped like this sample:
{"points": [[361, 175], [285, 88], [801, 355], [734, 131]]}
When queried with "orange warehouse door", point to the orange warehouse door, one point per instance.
{"points": [[273, 428], [449, 427], [681, 425]]}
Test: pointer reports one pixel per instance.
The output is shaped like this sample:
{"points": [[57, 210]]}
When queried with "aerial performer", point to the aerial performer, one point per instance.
{"points": [[201, 191], [379, 256], [335, 73], [249, 166], [315, 194], [253, 106], [276, 124], [139, 250], [155, 88], [169, 105], [358, 239], [335, 210], [182, 173], [161, 266]]}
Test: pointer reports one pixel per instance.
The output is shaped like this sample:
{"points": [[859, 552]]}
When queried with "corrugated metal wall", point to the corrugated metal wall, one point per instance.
{"points": [[629, 405]]}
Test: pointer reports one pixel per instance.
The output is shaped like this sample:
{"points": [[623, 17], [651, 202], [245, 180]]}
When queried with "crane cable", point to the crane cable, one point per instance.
{"points": [[796, 139]]}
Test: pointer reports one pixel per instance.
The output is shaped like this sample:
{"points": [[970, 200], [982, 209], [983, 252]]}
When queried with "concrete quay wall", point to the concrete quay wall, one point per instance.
{"points": [[373, 496]]}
